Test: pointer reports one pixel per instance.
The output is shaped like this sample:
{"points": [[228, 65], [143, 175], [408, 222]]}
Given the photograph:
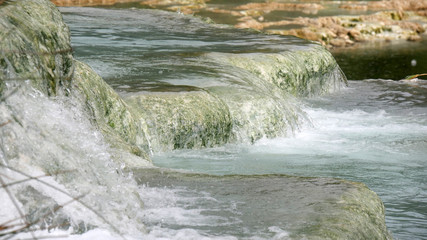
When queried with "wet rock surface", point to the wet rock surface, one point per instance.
{"points": [[183, 119], [44, 56], [309, 208]]}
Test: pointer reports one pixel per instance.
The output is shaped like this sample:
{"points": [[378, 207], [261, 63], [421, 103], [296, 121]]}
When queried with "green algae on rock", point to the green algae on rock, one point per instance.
{"points": [[35, 45], [183, 119], [307, 72], [110, 113], [360, 215], [35, 48], [256, 114]]}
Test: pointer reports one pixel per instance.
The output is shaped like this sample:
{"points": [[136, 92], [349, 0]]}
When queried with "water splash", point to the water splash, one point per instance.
{"points": [[47, 143]]}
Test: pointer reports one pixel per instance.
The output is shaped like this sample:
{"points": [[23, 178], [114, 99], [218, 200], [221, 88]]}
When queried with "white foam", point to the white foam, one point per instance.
{"points": [[158, 233], [344, 132], [56, 136], [180, 207]]}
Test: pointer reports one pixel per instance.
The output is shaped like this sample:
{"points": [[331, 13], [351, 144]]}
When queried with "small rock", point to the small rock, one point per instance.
{"points": [[414, 38]]}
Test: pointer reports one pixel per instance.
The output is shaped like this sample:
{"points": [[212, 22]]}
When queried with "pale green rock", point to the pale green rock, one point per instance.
{"points": [[183, 119], [109, 112], [358, 214], [256, 114], [306, 72], [35, 49], [35, 45], [304, 207]]}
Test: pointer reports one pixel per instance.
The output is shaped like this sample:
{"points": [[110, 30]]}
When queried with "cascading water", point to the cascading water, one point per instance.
{"points": [[227, 95], [44, 141], [373, 132], [329, 144], [242, 74]]}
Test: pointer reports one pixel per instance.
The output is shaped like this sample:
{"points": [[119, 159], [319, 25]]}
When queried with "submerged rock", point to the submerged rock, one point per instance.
{"points": [[397, 19], [297, 207], [275, 6], [340, 31], [182, 6]]}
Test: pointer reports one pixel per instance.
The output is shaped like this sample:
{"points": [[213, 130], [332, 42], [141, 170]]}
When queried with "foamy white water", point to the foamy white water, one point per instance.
{"points": [[373, 132], [79, 191], [76, 182]]}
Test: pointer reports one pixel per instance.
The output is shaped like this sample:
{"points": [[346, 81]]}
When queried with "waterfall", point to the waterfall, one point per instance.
{"points": [[75, 153]]}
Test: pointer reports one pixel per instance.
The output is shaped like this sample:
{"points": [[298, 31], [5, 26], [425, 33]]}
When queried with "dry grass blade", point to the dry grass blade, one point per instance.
{"points": [[45, 237], [38, 177], [5, 123], [415, 76], [27, 226], [2, 99], [15, 204], [67, 194], [8, 224]]}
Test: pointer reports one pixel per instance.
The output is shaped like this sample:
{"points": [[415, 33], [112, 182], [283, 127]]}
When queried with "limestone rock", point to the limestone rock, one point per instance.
{"points": [[35, 45], [255, 114], [183, 119], [307, 208], [109, 112], [308, 72]]}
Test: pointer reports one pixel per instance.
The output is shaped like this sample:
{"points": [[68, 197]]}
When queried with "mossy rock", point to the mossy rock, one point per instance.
{"points": [[257, 114], [305, 207], [306, 72], [109, 112], [183, 119], [358, 214], [35, 45]]}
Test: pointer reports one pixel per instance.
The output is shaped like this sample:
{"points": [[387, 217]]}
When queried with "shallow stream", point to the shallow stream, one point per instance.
{"points": [[373, 131]]}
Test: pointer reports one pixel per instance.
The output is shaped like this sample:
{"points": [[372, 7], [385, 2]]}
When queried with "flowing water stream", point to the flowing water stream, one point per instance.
{"points": [[374, 131]]}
